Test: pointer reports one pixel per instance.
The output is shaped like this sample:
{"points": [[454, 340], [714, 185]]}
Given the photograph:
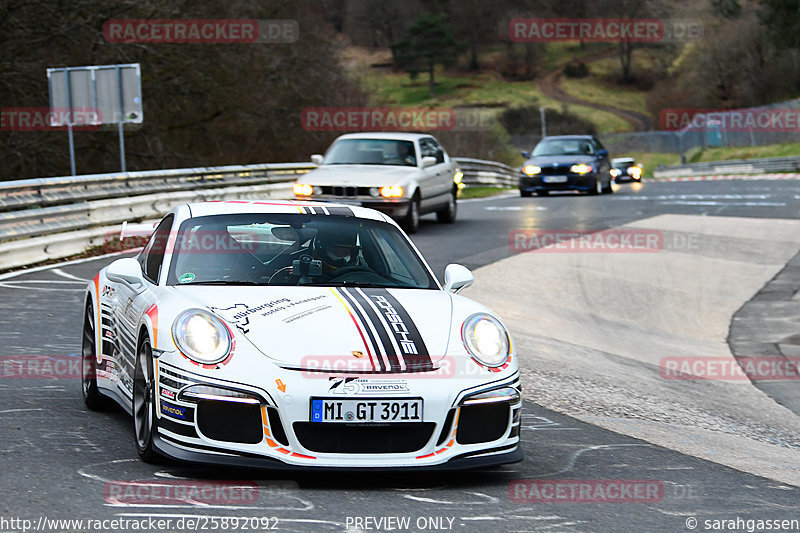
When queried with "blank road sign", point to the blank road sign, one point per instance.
{"points": [[99, 88]]}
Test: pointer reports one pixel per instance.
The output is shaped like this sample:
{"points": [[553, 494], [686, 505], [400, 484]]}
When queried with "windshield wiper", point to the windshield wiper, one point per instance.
{"points": [[346, 284], [221, 282]]}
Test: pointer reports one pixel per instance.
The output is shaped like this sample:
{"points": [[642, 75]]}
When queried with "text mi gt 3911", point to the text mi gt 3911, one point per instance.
{"points": [[336, 410]]}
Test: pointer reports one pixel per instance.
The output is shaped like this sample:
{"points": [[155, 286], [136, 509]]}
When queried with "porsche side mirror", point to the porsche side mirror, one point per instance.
{"points": [[128, 272], [316, 159], [457, 277]]}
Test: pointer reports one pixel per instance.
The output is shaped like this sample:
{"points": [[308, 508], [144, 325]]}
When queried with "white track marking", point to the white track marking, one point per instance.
{"points": [[16, 273], [9, 286], [67, 275], [427, 500]]}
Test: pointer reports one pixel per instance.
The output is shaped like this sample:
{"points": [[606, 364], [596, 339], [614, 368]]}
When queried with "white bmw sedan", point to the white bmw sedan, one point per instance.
{"points": [[404, 175]]}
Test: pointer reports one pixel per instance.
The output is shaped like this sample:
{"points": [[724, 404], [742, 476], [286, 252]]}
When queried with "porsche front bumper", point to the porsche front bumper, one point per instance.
{"points": [[271, 429]]}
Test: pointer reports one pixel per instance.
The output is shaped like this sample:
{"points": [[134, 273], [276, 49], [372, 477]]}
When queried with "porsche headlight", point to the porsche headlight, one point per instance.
{"points": [[531, 170], [201, 336], [581, 168], [486, 340]]}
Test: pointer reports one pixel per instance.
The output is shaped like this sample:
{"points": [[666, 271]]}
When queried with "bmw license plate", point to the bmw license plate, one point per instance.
{"points": [[555, 179], [366, 410], [346, 201]]}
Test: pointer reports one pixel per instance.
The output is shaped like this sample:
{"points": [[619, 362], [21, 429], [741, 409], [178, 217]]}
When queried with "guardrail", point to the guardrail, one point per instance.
{"points": [[734, 166], [487, 173], [52, 218]]}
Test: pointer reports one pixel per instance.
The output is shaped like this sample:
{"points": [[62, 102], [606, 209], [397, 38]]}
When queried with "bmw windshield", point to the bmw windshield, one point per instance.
{"points": [[372, 152]]}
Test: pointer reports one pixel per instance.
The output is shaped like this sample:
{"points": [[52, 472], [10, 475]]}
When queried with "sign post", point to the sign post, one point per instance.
{"points": [[112, 92]]}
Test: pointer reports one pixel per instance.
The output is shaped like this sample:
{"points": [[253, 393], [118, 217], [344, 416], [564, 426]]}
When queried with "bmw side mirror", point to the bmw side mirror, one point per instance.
{"points": [[457, 277], [128, 272], [526, 155], [316, 159], [602, 153], [428, 161]]}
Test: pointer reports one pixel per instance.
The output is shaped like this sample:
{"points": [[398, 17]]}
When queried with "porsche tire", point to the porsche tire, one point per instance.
{"points": [[144, 413], [91, 396]]}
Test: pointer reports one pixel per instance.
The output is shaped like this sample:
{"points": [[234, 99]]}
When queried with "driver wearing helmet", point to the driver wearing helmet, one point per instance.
{"points": [[337, 248]]}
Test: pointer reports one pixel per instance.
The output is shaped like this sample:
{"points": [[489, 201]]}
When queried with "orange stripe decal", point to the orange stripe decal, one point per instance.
{"points": [[97, 327], [152, 312]]}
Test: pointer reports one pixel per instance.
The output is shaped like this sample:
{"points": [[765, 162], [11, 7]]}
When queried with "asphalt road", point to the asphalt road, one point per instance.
{"points": [[58, 459]]}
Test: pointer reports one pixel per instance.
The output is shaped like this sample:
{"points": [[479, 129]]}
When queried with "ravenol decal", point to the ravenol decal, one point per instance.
{"points": [[173, 411], [345, 385]]}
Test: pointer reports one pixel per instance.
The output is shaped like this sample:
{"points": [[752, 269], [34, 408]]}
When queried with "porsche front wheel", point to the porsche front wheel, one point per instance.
{"points": [[144, 403], [91, 397]]}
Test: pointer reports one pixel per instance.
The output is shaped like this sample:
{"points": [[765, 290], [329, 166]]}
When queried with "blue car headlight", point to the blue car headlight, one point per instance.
{"points": [[581, 168]]}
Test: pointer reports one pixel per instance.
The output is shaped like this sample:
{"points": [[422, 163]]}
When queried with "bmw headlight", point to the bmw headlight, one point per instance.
{"points": [[581, 168], [201, 336], [486, 340], [531, 170]]}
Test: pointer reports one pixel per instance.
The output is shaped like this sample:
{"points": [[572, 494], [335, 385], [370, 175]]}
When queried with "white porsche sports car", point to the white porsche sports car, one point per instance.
{"points": [[296, 334]]}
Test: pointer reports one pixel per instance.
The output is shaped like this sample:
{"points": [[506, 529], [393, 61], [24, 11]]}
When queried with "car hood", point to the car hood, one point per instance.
{"points": [[560, 160], [358, 175], [323, 327]]}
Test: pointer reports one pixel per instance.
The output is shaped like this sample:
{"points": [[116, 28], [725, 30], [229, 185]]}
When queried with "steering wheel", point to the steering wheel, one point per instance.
{"points": [[349, 270], [371, 275]]}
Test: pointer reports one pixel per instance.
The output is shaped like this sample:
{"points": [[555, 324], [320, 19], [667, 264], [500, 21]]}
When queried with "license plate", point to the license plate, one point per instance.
{"points": [[365, 411], [555, 179], [345, 201]]}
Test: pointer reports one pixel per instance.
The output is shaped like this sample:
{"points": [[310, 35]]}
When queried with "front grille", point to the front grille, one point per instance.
{"points": [[560, 170], [402, 437], [482, 422], [447, 427], [344, 191], [276, 427], [230, 421]]}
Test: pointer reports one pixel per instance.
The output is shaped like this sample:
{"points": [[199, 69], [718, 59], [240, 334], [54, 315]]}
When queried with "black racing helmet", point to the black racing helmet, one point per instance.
{"points": [[337, 246]]}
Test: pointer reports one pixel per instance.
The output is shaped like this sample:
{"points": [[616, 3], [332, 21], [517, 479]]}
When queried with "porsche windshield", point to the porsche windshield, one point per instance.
{"points": [[285, 249], [372, 152]]}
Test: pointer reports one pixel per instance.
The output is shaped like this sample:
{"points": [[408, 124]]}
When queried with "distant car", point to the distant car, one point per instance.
{"points": [[404, 175], [564, 163], [626, 169]]}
